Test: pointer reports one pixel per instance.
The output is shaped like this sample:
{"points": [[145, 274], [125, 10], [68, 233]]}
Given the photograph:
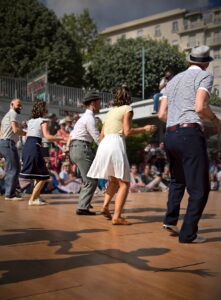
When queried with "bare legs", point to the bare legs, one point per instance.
{"points": [[121, 189], [37, 190], [110, 192]]}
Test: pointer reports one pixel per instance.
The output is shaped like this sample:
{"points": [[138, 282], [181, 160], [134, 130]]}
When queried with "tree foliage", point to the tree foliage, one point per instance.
{"points": [[121, 62], [135, 147], [32, 36], [215, 99], [83, 31]]}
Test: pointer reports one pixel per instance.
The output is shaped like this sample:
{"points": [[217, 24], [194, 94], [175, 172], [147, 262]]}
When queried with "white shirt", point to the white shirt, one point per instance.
{"points": [[34, 127], [85, 128]]}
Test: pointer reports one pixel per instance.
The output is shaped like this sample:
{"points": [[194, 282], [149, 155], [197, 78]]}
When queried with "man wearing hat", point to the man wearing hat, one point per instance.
{"points": [[81, 152], [184, 107]]}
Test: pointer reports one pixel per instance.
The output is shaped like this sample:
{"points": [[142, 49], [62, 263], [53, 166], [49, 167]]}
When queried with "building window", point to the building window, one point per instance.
{"points": [[192, 41], [208, 18], [216, 36], [157, 31], [216, 71], [216, 54], [175, 26], [185, 24], [140, 32]]}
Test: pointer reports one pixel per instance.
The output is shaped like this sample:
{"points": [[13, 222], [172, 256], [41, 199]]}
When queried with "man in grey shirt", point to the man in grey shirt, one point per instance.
{"points": [[185, 104], [10, 130]]}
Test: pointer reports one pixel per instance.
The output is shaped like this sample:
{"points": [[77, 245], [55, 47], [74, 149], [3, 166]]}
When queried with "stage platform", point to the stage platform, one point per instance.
{"points": [[49, 252]]}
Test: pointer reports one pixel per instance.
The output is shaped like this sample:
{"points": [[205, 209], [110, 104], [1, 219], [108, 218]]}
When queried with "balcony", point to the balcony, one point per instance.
{"points": [[211, 42], [190, 45], [216, 23], [195, 26]]}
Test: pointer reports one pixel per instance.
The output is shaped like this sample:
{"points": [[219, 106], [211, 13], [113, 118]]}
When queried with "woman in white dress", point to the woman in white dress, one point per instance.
{"points": [[111, 160]]}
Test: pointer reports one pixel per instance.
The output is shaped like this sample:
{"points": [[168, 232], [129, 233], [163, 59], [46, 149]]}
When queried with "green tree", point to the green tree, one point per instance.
{"points": [[83, 31], [135, 147], [112, 65], [32, 36], [215, 99]]}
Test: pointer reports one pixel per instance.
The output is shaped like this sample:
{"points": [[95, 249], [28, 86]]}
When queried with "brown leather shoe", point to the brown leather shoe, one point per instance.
{"points": [[120, 221]]}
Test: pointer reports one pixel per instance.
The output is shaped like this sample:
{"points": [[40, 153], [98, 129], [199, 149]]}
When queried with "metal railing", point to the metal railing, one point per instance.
{"points": [[13, 87], [55, 94]]}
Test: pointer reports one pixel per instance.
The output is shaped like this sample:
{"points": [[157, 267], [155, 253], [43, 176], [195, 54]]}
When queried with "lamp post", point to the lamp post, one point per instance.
{"points": [[143, 72]]}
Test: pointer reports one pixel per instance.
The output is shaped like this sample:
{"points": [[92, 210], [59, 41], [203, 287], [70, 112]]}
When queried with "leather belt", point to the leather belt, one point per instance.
{"points": [[80, 141], [183, 125], [8, 140]]}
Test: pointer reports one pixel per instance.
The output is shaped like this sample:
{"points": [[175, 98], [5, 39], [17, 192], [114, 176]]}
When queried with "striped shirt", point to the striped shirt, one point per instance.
{"points": [[181, 94]]}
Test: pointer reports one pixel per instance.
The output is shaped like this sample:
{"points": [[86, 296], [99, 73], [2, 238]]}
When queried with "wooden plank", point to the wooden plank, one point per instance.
{"points": [[51, 253]]}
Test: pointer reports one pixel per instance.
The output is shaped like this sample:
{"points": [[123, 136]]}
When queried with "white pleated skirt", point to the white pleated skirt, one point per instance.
{"points": [[111, 159]]}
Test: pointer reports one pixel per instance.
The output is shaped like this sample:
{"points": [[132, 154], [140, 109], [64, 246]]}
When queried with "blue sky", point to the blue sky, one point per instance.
{"points": [[107, 13]]}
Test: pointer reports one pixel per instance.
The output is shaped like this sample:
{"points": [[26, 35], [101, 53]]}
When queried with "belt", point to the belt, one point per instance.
{"points": [[80, 141], [8, 140], [183, 125]]}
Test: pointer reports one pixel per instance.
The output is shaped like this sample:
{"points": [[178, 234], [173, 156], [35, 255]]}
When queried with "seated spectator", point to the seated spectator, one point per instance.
{"points": [[218, 176], [68, 182], [214, 184], [166, 175], [63, 133], [218, 159], [156, 97], [62, 144], [152, 179], [68, 121], [53, 158], [135, 180], [160, 157]]}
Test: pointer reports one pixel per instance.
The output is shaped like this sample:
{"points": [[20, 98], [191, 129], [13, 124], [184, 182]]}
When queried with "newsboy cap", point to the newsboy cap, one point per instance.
{"points": [[91, 95], [200, 55]]}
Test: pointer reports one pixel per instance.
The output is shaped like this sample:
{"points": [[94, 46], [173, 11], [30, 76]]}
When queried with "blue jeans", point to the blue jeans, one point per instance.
{"points": [[12, 166], [156, 99], [189, 167]]}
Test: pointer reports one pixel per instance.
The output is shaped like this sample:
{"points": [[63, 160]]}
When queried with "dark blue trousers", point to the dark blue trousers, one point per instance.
{"points": [[189, 166]]}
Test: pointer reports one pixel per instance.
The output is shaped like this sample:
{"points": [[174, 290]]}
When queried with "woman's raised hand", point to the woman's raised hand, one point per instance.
{"points": [[150, 128]]}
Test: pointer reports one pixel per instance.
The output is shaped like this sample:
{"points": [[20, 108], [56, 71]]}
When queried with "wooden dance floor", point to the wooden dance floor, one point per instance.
{"points": [[49, 252]]}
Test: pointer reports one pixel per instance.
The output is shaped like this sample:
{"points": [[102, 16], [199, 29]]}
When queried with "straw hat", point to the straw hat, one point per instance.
{"points": [[200, 55]]}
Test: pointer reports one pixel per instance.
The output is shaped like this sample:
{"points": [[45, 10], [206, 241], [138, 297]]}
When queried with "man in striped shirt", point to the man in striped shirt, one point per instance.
{"points": [[184, 106]]}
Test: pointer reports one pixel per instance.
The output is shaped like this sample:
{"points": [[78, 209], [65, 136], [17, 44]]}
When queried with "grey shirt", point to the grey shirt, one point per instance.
{"points": [[181, 95], [6, 126]]}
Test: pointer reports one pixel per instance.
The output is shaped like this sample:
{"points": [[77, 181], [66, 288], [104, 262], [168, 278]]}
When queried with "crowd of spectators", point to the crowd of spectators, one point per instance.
{"points": [[151, 174]]}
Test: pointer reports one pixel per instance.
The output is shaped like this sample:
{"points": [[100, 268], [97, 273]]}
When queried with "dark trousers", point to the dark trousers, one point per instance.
{"points": [[189, 166]]}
